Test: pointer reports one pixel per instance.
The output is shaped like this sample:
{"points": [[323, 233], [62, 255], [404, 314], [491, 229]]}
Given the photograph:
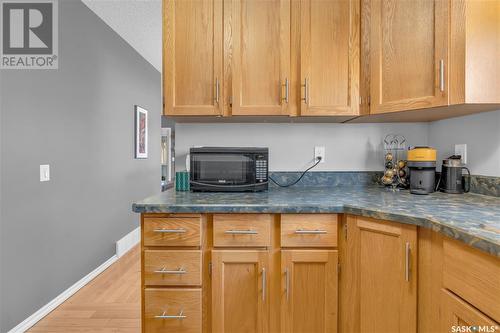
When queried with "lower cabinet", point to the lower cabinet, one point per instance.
{"points": [[378, 277], [172, 310], [457, 315], [240, 291], [310, 273], [309, 291]]}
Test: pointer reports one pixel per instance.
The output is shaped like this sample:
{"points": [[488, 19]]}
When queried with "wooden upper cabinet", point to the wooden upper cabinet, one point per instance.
{"points": [[240, 291], [309, 291], [258, 55], [193, 57], [408, 54], [379, 263], [329, 57], [475, 52]]}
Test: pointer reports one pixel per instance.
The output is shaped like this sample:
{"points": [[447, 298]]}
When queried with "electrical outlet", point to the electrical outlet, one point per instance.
{"points": [[461, 149], [44, 172], [319, 151]]}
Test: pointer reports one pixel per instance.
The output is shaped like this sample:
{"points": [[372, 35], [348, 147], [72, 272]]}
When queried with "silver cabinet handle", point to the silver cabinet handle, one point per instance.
{"points": [[165, 316], [306, 91], [407, 262], [241, 232], [286, 91], [441, 75], [217, 90], [310, 232], [264, 284], [170, 231], [287, 284], [181, 270]]}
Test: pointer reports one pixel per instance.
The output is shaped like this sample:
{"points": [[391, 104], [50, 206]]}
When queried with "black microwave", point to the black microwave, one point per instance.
{"points": [[228, 169]]}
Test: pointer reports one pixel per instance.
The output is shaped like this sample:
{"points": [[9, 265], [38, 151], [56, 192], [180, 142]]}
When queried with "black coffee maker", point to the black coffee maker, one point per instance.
{"points": [[452, 180]]}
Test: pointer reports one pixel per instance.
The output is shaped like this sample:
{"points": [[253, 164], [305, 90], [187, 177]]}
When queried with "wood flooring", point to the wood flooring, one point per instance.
{"points": [[109, 303]]}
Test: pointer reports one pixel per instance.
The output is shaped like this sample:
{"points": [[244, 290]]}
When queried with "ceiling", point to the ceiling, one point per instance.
{"points": [[138, 22]]}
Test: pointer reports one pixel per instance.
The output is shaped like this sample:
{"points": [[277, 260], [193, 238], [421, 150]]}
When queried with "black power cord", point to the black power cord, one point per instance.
{"points": [[301, 176]]}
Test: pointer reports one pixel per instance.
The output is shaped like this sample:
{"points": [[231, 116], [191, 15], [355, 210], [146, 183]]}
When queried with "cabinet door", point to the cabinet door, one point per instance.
{"points": [[240, 291], [260, 60], [408, 47], [329, 59], [455, 312], [378, 277], [192, 57], [309, 291]]}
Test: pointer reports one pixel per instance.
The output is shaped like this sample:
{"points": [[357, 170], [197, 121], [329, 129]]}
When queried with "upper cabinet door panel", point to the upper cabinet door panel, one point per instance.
{"points": [[329, 59], [408, 54], [260, 55], [193, 57]]}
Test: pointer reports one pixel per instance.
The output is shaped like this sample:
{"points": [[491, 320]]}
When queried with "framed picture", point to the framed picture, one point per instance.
{"points": [[141, 132]]}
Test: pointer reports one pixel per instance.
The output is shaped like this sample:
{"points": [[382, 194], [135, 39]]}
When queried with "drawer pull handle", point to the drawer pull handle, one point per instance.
{"points": [[241, 232], [166, 316], [310, 232], [170, 231], [166, 271]]}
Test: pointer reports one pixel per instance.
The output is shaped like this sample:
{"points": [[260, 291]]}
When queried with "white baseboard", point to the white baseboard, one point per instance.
{"points": [[47, 308], [122, 247], [128, 242]]}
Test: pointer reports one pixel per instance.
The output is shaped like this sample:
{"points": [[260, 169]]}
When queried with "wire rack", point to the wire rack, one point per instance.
{"points": [[395, 165]]}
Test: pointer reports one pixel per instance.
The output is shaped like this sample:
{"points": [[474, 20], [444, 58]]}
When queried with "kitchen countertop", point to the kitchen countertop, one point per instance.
{"points": [[471, 218]]}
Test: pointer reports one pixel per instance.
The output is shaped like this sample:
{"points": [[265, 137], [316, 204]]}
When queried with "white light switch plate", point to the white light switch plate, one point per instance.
{"points": [[44, 172], [319, 151], [461, 149]]}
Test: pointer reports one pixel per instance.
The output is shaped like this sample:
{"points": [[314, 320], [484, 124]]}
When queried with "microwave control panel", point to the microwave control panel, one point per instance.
{"points": [[261, 169]]}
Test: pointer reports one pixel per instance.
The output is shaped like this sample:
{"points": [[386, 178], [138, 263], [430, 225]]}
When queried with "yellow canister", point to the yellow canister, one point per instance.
{"points": [[422, 154]]}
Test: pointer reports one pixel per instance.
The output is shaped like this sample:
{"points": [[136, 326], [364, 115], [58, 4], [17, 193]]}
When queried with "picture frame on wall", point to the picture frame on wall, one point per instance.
{"points": [[141, 132]]}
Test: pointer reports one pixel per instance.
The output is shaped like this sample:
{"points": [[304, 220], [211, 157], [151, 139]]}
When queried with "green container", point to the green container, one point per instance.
{"points": [[182, 181]]}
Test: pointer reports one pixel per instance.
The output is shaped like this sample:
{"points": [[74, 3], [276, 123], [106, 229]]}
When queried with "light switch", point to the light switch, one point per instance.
{"points": [[44, 172]]}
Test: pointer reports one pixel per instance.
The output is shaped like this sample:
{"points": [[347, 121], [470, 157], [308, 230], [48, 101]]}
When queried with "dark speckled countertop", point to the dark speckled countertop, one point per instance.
{"points": [[471, 218]]}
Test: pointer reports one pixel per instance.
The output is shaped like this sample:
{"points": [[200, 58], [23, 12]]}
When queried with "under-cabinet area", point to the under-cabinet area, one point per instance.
{"points": [[315, 272]]}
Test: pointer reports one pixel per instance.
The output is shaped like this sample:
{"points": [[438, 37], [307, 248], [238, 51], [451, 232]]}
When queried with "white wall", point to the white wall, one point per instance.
{"points": [[349, 147], [480, 132]]}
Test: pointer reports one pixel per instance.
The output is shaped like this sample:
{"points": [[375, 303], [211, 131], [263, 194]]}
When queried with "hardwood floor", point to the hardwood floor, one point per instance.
{"points": [[110, 303]]}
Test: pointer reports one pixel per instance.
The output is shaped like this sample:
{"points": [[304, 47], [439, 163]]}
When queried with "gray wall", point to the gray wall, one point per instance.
{"points": [[480, 132], [78, 119], [349, 147]]}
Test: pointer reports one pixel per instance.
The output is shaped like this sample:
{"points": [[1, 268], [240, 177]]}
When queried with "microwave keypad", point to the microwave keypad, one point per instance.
{"points": [[261, 170]]}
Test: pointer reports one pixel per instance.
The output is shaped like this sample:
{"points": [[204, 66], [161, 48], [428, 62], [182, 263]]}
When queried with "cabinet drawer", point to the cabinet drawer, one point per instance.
{"points": [[172, 268], [472, 275], [172, 310], [242, 230], [172, 231], [309, 230]]}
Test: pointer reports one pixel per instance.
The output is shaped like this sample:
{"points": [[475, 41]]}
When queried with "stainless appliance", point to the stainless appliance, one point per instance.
{"points": [[452, 180], [228, 169]]}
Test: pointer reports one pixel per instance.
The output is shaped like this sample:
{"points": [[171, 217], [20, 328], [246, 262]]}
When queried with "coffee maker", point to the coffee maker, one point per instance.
{"points": [[452, 180], [422, 167]]}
